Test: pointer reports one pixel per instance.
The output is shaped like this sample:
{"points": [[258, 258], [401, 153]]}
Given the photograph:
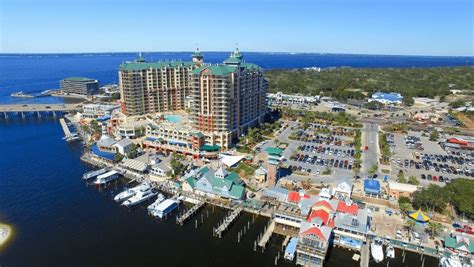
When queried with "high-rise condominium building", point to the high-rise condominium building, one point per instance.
{"points": [[149, 87], [227, 98]]}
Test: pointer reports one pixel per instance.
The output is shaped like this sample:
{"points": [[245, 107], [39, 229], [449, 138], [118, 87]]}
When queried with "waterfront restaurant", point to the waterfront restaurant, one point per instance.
{"points": [[351, 225], [313, 242], [218, 183]]}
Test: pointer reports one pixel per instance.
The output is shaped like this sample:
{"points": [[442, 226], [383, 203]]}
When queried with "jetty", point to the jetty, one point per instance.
{"points": [[231, 217], [365, 255], [266, 236], [189, 213], [67, 133]]}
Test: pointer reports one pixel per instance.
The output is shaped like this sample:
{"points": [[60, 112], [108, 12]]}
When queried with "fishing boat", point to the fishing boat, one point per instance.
{"points": [[106, 177], [376, 248], [390, 252], [140, 197], [93, 174], [157, 202], [164, 208], [130, 192]]}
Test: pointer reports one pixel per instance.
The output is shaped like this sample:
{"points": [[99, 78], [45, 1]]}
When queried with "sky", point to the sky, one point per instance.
{"points": [[389, 27]]}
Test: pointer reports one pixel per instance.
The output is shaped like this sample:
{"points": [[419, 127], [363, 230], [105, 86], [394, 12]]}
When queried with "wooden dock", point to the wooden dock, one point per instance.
{"points": [[66, 130], [365, 255], [233, 215], [266, 236], [187, 215]]}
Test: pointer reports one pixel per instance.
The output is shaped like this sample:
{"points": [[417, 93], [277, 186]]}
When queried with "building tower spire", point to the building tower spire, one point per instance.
{"points": [[197, 57]]}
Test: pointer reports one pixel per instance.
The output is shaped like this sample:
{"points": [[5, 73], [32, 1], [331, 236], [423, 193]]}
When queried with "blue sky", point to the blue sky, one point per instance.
{"points": [[400, 27]]}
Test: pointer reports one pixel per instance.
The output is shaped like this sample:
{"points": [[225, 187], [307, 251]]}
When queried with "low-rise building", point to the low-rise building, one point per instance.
{"points": [[93, 111], [425, 101], [281, 98], [343, 189], [398, 190], [218, 183], [123, 146], [351, 225], [80, 86], [387, 98], [313, 243], [459, 244]]}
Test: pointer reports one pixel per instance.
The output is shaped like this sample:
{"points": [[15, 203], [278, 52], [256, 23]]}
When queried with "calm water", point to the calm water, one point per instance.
{"points": [[60, 221], [36, 72]]}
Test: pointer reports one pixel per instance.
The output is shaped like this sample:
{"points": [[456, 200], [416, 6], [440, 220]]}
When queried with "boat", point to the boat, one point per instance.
{"points": [[140, 197], [164, 208], [376, 247], [155, 204], [390, 252], [22, 94], [106, 177], [130, 192], [290, 249], [451, 261], [93, 174]]}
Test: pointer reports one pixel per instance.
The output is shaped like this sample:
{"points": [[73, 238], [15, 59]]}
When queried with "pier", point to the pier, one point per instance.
{"points": [[233, 215], [67, 133], [187, 215], [365, 255], [266, 236]]}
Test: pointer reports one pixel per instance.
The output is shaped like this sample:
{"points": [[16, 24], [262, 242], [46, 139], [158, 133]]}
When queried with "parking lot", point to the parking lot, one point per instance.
{"points": [[316, 151], [430, 164]]}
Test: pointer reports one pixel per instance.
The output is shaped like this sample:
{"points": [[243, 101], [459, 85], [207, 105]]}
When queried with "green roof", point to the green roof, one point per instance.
{"points": [[451, 242], [131, 66], [216, 69], [78, 79], [210, 148], [232, 60], [274, 151], [204, 170], [199, 134], [191, 181], [236, 191], [234, 177]]}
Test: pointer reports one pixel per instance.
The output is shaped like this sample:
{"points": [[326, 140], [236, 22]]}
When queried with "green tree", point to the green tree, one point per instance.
{"points": [[434, 229], [133, 152], [118, 157], [460, 193], [434, 136], [410, 225], [412, 180], [431, 198], [373, 169], [401, 177]]}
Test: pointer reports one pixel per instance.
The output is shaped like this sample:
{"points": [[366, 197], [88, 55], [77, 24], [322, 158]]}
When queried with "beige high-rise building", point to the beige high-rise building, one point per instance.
{"points": [[228, 98], [150, 87]]}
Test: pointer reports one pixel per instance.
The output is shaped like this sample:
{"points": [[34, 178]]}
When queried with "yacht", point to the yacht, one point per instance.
{"points": [[157, 202], [94, 174], [390, 252], [451, 261], [130, 192], [140, 197], [376, 247]]}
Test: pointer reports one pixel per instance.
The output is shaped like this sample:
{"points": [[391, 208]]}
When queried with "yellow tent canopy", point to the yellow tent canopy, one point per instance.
{"points": [[419, 216]]}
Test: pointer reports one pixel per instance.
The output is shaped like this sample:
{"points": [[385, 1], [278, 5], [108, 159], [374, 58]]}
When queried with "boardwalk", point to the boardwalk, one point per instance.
{"points": [[183, 218], [266, 236], [365, 255], [233, 215]]}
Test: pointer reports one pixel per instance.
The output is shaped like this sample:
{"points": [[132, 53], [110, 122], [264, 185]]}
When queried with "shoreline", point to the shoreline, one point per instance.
{"points": [[6, 233]]}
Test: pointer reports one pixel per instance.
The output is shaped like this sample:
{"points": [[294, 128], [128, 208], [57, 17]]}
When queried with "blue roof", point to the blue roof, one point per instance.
{"points": [[388, 96], [372, 186], [103, 118], [102, 154], [291, 247]]}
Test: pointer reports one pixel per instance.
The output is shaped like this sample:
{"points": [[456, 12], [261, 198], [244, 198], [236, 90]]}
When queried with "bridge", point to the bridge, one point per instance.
{"points": [[39, 107]]}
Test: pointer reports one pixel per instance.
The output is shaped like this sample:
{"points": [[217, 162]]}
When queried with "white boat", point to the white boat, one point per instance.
{"points": [[390, 252], [376, 248], [451, 261], [157, 202], [139, 197], [106, 177], [94, 174], [130, 192], [164, 208]]}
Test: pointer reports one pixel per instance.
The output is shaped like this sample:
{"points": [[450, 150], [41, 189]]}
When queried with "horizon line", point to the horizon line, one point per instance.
{"points": [[221, 51]]}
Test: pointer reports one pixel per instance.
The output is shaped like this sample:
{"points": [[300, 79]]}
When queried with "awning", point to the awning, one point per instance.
{"points": [[210, 148], [419, 216]]}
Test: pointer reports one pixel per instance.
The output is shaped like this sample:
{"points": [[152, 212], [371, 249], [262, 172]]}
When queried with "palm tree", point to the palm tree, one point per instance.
{"points": [[433, 229], [410, 225]]}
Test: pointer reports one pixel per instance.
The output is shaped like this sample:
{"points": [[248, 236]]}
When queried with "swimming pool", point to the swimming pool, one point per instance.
{"points": [[173, 118]]}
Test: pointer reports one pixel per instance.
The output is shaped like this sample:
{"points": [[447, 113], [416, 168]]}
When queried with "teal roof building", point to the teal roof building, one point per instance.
{"points": [[220, 183]]}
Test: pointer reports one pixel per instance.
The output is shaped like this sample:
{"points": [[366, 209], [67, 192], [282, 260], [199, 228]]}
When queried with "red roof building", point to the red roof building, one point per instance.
{"points": [[315, 231], [349, 209], [321, 214], [457, 141], [295, 197]]}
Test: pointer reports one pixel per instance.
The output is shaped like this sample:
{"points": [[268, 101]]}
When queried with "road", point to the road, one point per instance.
{"points": [[370, 139], [39, 107]]}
